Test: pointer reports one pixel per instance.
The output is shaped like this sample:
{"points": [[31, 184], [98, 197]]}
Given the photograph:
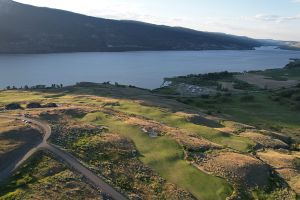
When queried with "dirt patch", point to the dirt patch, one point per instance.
{"points": [[265, 82], [237, 168], [265, 141]]}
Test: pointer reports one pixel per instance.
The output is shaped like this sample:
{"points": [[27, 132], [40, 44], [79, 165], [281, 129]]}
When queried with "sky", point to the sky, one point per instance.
{"points": [[264, 19]]}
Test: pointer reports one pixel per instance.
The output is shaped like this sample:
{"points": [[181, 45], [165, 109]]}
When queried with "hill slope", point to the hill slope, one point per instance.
{"points": [[29, 29]]}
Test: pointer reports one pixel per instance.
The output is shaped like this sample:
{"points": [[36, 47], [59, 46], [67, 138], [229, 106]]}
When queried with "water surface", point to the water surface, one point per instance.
{"points": [[143, 69]]}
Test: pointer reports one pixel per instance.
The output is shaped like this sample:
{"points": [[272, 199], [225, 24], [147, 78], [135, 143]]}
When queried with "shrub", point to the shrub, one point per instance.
{"points": [[124, 182], [247, 98], [13, 106], [225, 99], [34, 105], [185, 100], [209, 112], [287, 93], [205, 96], [296, 98], [241, 85], [297, 106], [228, 94]]}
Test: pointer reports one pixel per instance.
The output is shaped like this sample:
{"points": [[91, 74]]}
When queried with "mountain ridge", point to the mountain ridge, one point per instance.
{"points": [[30, 29]]}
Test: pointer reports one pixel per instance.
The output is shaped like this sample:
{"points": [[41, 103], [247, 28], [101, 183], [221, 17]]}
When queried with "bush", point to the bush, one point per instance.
{"points": [[296, 98], [185, 101], [275, 98], [241, 85], [247, 98], [226, 99], [287, 93], [228, 94], [209, 112], [205, 96], [124, 182], [297, 106], [34, 105], [13, 106]]}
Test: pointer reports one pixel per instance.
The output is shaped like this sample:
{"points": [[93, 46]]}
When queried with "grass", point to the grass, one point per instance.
{"points": [[262, 112], [281, 74], [18, 96], [176, 120], [42, 177], [165, 156]]}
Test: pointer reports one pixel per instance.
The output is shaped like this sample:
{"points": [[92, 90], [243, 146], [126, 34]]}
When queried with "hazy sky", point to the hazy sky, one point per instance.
{"points": [[277, 19]]}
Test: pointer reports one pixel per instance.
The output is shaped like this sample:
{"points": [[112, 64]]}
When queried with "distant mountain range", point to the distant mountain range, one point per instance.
{"points": [[30, 29]]}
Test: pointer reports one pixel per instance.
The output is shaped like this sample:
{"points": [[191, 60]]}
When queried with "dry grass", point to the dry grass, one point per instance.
{"points": [[284, 164], [234, 127], [265, 141], [9, 143], [278, 159], [238, 168], [44, 178], [194, 143], [8, 125]]}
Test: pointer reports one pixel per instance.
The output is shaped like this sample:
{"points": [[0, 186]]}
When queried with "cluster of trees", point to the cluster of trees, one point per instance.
{"points": [[16, 106], [294, 64], [26, 87], [289, 97], [209, 79], [108, 83]]}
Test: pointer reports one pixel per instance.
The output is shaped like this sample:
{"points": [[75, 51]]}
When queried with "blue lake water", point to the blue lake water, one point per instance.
{"points": [[143, 69]]}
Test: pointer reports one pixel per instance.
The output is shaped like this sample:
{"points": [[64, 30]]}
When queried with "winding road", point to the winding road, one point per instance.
{"points": [[70, 160]]}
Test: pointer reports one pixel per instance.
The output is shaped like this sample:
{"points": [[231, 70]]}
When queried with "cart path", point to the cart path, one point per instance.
{"points": [[70, 160]]}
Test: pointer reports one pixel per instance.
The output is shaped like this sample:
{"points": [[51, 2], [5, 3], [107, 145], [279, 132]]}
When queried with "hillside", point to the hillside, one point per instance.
{"points": [[29, 29], [237, 145]]}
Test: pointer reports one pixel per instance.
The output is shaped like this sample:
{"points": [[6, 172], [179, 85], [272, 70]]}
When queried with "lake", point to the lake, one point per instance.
{"points": [[142, 69]]}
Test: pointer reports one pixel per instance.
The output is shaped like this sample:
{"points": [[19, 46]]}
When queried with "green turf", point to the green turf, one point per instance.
{"points": [[262, 112], [175, 120], [165, 156], [281, 74]]}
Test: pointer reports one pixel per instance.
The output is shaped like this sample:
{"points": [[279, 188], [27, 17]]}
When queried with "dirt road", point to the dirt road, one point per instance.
{"points": [[70, 160]]}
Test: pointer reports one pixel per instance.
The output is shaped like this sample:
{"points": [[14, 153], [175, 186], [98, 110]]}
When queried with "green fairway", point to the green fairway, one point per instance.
{"points": [[262, 112], [165, 156], [281, 74], [176, 120]]}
